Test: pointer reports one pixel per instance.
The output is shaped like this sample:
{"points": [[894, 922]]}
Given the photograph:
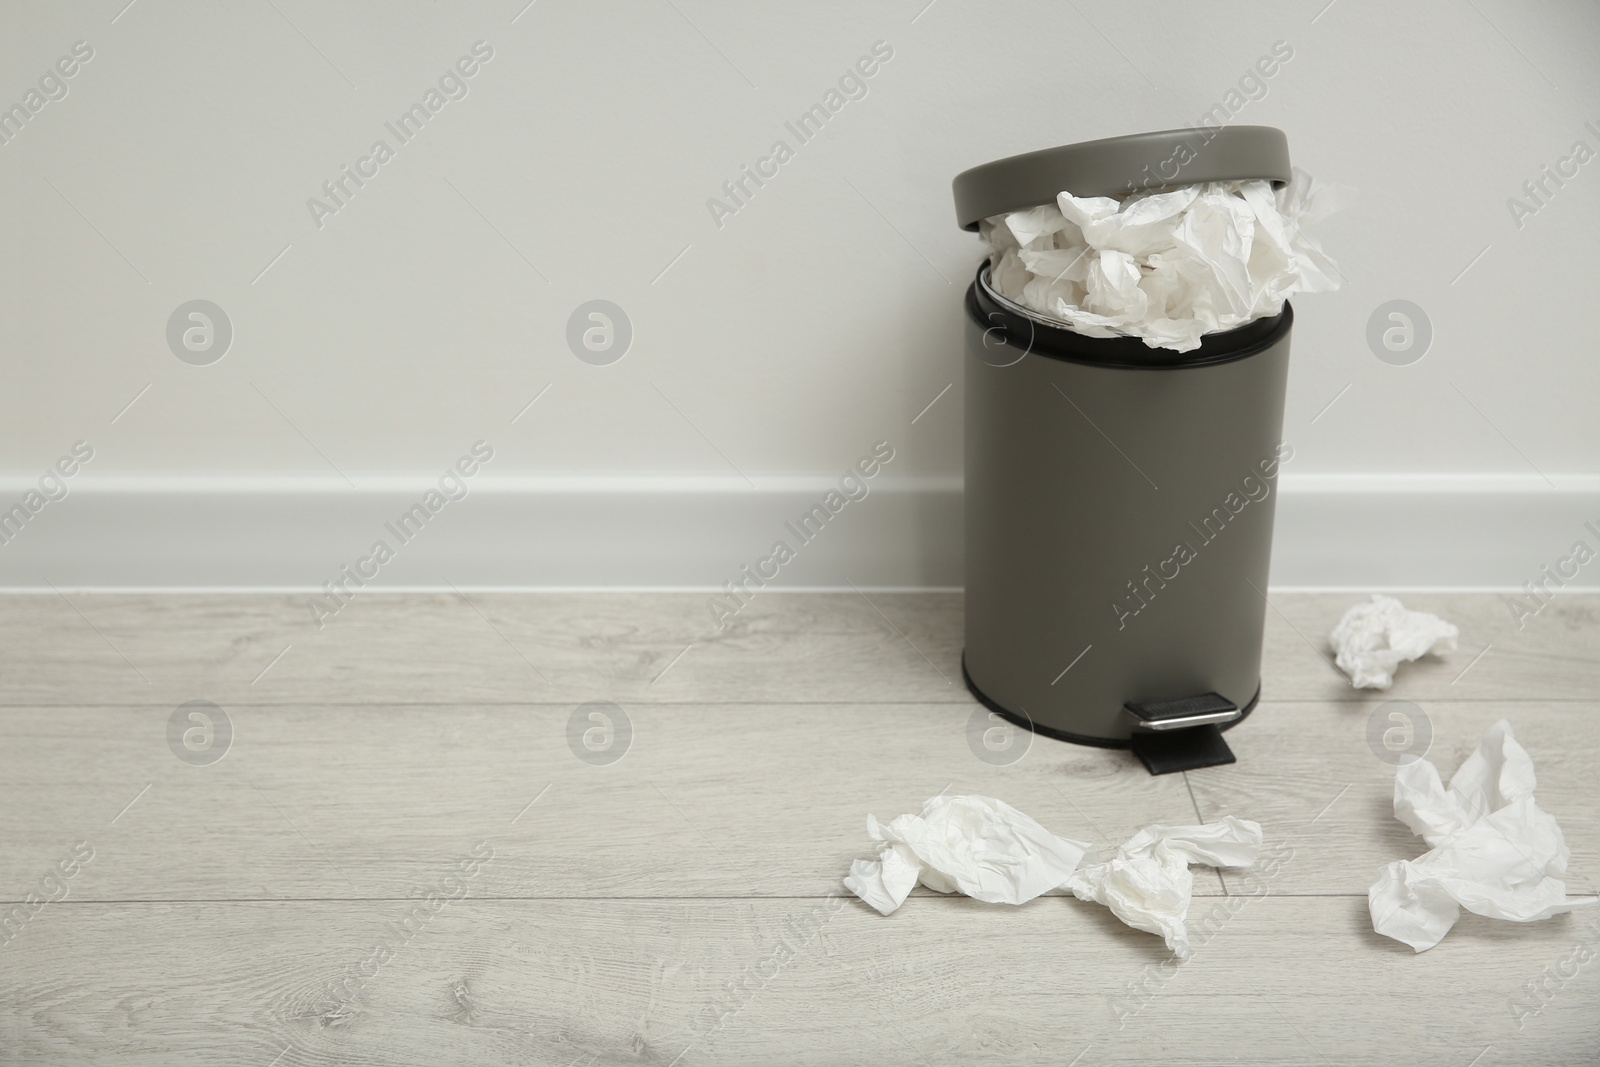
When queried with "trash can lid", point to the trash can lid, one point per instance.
{"points": [[1116, 166]]}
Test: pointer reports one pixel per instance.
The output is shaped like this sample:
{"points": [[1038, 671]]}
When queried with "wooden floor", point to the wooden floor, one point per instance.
{"points": [[677, 905]]}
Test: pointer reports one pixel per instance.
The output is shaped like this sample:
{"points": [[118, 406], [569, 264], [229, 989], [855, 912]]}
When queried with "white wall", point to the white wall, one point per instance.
{"points": [[820, 318]]}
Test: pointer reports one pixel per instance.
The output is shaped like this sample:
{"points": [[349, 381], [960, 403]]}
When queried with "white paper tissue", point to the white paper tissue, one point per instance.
{"points": [[990, 851], [1373, 639], [979, 846], [1169, 266], [1148, 885], [1495, 852]]}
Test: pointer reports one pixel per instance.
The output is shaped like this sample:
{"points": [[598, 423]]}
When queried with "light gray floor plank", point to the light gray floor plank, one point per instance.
{"points": [[567, 648], [373, 756], [719, 800], [560, 648], [728, 800], [1279, 982]]}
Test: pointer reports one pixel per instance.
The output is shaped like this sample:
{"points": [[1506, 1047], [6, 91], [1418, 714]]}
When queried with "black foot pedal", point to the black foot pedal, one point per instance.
{"points": [[1183, 734], [1182, 750]]}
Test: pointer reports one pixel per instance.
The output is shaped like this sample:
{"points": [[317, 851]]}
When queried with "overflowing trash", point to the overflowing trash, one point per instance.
{"points": [[1168, 266]]}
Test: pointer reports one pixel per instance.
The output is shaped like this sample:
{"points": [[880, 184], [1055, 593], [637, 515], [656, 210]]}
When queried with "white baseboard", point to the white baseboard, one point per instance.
{"points": [[1420, 532], [293, 534]]}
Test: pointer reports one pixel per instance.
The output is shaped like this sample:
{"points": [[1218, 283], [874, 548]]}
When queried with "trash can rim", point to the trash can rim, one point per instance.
{"points": [[1022, 327]]}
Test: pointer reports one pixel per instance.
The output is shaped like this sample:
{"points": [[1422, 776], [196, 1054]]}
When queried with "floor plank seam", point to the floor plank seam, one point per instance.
{"points": [[567, 704], [948, 899]]}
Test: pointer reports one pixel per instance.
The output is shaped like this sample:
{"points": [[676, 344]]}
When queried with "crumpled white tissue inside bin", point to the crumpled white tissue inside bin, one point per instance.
{"points": [[1373, 639], [1496, 852], [1167, 267], [975, 845], [1148, 885]]}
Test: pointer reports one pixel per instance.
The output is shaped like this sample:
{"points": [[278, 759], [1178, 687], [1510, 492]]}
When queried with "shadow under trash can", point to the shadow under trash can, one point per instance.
{"points": [[1119, 497]]}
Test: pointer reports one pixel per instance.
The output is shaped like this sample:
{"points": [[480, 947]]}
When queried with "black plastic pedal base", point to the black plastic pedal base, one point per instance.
{"points": [[1189, 749]]}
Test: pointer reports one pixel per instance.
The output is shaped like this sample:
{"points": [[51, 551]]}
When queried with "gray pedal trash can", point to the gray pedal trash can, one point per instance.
{"points": [[1119, 498]]}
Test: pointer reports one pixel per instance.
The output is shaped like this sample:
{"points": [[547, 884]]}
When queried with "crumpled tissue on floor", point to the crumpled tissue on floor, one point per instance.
{"points": [[979, 846], [1494, 851], [990, 851], [1148, 885], [1373, 639]]}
